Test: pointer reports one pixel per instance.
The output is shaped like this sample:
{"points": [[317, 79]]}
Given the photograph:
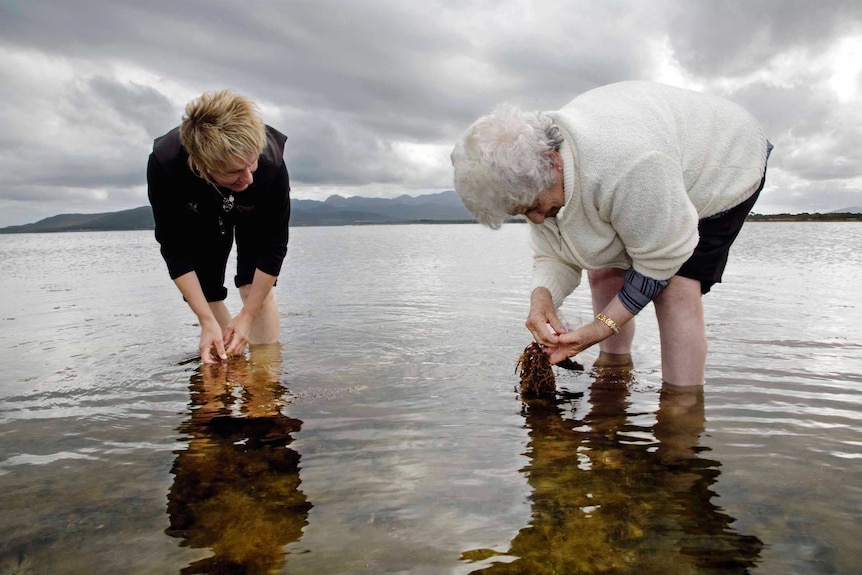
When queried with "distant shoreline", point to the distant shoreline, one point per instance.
{"points": [[780, 218], [142, 219], [848, 217]]}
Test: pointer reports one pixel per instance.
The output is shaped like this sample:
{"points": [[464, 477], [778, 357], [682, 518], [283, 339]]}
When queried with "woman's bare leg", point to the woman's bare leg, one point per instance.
{"points": [[679, 310], [265, 328], [615, 351]]}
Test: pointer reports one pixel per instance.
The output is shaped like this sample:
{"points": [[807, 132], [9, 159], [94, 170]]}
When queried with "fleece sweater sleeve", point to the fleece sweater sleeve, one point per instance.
{"points": [[550, 270], [651, 212]]}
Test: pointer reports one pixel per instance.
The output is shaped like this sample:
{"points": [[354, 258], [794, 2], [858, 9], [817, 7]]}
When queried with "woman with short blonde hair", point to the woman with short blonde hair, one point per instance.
{"points": [[222, 173], [219, 127]]}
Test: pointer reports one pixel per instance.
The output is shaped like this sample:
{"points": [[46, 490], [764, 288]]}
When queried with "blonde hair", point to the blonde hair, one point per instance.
{"points": [[218, 128]]}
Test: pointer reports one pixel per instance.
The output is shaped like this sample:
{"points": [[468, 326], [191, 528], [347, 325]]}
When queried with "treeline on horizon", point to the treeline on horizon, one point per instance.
{"points": [[805, 217]]}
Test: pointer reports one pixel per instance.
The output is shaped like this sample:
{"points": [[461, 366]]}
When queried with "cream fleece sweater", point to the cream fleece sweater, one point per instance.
{"points": [[642, 163]]}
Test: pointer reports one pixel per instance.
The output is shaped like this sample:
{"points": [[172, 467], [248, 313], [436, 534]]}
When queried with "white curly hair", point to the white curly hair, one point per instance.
{"points": [[504, 161]]}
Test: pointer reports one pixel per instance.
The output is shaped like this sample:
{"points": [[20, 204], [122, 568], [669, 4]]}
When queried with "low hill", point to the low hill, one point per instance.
{"points": [[134, 219]]}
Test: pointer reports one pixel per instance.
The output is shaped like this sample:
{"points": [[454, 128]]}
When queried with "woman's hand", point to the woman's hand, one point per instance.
{"points": [[572, 343], [211, 339], [236, 334], [543, 322]]}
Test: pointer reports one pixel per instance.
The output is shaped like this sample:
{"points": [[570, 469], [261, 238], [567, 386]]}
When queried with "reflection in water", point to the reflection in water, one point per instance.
{"points": [[236, 487], [613, 496]]}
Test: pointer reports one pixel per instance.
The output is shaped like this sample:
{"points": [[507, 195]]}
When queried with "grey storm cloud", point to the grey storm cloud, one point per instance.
{"points": [[373, 94], [136, 104], [737, 36]]}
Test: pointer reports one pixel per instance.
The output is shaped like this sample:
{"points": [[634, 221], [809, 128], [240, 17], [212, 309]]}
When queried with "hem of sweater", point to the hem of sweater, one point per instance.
{"points": [[747, 192]]}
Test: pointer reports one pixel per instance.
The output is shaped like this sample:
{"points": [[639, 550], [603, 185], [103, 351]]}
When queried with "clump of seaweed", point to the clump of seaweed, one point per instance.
{"points": [[537, 377]]}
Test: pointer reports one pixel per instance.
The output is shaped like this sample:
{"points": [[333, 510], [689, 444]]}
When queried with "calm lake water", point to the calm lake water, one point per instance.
{"points": [[384, 434]]}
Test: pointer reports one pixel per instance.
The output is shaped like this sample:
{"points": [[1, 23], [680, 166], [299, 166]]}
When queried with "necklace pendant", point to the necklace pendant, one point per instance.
{"points": [[226, 200]]}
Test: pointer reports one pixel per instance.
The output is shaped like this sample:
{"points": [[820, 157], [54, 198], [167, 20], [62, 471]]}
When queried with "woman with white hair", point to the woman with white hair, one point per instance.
{"points": [[646, 186]]}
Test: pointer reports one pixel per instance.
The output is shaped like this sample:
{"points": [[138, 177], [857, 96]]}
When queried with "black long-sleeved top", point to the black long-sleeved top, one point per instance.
{"points": [[188, 211]]}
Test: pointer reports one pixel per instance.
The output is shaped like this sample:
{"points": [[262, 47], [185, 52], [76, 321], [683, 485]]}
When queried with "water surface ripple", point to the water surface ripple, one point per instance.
{"points": [[383, 435]]}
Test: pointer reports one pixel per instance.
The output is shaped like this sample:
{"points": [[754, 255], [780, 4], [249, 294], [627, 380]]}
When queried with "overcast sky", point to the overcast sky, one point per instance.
{"points": [[373, 93]]}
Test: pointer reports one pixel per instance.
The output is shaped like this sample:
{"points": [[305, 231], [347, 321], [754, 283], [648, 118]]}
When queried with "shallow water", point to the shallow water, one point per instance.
{"points": [[384, 435]]}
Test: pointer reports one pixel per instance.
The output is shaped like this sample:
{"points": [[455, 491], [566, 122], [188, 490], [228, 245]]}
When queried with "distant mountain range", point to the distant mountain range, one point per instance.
{"points": [[338, 210], [335, 211], [442, 207]]}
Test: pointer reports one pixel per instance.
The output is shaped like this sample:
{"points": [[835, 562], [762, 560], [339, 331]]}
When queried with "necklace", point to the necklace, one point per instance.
{"points": [[227, 201]]}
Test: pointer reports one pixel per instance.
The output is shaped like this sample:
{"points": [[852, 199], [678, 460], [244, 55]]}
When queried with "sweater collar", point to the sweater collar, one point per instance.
{"points": [[569, 155]]}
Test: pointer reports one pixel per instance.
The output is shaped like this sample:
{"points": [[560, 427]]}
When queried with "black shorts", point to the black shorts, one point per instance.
{"points": [[717, 234]]}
